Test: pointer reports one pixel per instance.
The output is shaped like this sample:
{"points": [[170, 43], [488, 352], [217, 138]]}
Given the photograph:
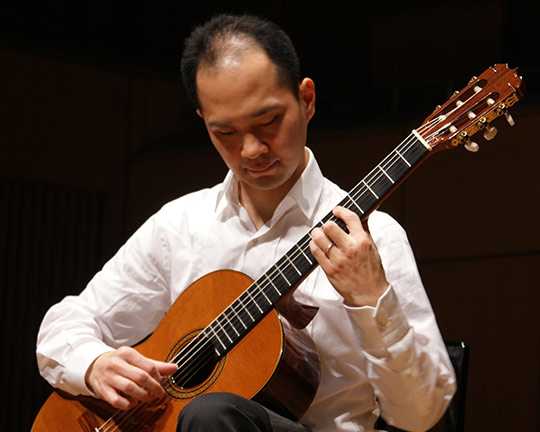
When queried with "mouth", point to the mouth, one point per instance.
{"points": [[261, 168]]}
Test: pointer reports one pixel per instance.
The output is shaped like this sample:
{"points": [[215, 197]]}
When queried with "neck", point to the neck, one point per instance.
{"points": [[260, 205]]}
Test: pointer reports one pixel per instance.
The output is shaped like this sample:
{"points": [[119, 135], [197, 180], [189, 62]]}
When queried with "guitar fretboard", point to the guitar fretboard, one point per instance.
{"points": [[261, 296]]}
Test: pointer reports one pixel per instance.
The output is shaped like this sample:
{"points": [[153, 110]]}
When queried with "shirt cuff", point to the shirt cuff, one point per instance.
{"points": [[79, 363], [380, 326]]}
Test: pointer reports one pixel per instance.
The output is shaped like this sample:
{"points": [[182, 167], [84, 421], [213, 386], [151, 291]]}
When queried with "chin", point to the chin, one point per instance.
{"points": [[263, 185]]}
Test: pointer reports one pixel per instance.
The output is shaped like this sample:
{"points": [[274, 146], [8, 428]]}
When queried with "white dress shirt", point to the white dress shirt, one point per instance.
{"points": [[389, 359]]}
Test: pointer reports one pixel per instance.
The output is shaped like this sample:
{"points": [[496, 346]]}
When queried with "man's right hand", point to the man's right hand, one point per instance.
{"points": [[124, 377]]}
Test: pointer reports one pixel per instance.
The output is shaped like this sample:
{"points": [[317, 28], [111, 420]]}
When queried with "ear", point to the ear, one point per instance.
{"points": [[307, 96]]}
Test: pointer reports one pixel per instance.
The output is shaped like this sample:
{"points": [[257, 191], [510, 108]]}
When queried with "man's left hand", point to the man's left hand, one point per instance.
{"points": [[350, 260]]}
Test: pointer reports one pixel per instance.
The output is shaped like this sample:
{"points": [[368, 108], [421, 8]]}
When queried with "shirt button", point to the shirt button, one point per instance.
{"points": [[383, 321], [254, 241]]}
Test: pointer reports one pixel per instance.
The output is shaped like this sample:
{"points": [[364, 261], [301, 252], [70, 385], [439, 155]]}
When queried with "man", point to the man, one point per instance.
{"points": [[380, 348]]}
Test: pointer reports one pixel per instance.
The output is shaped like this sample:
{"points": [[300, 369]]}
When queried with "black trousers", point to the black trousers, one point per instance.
{"points": [[227, 412]]}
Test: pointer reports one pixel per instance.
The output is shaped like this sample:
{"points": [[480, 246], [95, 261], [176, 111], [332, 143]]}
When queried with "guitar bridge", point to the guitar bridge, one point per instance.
{"points": [[89, 422]]}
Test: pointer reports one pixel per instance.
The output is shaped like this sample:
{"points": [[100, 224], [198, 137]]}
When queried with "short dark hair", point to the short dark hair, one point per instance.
{"points": [[208, 42]]}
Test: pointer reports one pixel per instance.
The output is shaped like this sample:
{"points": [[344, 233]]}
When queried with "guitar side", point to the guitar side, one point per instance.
{"points": [[274, 363]]}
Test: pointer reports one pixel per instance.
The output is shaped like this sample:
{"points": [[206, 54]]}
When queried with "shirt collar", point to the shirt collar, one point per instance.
{"points": [[305, 192]]}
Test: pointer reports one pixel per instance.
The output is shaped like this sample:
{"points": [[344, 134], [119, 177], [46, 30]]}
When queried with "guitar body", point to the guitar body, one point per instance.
{"points": [[274, 363]]}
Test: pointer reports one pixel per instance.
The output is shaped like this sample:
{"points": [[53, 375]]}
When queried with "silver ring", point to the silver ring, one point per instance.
{"points": [[328, 248]]}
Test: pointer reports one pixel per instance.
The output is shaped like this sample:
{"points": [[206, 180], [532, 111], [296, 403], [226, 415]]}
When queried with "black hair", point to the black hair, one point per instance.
{"points": [[209, 41]]}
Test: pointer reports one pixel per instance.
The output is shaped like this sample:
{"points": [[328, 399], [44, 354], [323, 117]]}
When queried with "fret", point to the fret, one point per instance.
{"points": [[386, 174], [270, 283], [283, 276], [241, 314], [292, 263], [253, 300], [230, 323], [261, 291], [397, 168], [371, 190], [304, 260], [235, 320], [379, 183], [367, 200], [304, 255], [216, 336], [238, 318], [401, 156], [223, 329], [416, 151], [355, 204], [245, 309], [289, 272]]}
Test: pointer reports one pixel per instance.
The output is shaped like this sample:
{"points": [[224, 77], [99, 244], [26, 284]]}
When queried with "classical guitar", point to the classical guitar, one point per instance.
{"points": [[224, 331]]}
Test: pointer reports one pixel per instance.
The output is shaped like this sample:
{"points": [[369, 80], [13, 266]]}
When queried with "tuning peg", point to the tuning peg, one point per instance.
{"points": [[509, 119], [490, 132], [472, 147]]}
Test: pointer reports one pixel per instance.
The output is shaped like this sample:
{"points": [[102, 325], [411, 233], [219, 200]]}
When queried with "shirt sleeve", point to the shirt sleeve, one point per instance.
{"points": [[121, 305], [408, 364]]}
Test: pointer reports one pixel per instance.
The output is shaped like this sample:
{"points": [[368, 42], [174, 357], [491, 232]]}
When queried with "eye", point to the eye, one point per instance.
{"points": [[225, 133], [268, 123]]}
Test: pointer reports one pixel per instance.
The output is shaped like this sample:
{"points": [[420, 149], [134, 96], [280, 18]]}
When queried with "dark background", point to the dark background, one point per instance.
{"points": [[96, 134]]}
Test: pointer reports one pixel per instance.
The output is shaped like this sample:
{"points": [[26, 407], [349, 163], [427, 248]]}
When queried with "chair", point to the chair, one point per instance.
{"points": [[454, 418]]}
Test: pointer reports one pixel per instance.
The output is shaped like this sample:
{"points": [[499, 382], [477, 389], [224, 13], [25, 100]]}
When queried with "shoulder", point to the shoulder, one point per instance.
{"points": [[384, 228], [199, 202], [183, 216], [379, 221]]}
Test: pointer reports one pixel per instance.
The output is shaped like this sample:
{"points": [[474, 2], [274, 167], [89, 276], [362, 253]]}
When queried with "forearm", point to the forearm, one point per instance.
{"points": [[66, 347], [408, 366]]}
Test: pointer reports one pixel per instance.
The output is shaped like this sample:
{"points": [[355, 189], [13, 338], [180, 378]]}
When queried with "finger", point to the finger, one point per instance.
{"points": [[318, 246], [164, 368], [351, 219], [131, 391], [146, 380], [319, 255], [320, 239], [144, 374], [338, 235], [116, 399]]}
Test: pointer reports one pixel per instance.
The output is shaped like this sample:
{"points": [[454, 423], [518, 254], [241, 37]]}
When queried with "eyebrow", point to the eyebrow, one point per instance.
{"points": [[256, 114], [265, 110]]}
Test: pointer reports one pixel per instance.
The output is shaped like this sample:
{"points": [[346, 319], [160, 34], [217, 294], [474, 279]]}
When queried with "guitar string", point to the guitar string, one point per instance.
{"points": [[364, 189]]}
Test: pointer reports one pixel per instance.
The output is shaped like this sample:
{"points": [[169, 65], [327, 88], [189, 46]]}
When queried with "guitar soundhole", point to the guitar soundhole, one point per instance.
{"points": [[196, 369], [198, 366]]}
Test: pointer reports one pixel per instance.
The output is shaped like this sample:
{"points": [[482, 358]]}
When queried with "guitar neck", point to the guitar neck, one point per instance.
{"points": [[482, 101], [259, 298]]}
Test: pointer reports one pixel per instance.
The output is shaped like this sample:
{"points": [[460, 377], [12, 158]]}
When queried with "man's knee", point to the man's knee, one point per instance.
{"points": [[222, 412], [207, 406]]}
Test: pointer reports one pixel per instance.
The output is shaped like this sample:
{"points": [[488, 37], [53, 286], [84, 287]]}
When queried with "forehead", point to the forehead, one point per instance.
{"points": [[244, 81]]}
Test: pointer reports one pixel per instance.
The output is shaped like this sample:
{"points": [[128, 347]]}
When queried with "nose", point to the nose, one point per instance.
{"points": [[252, 146]]}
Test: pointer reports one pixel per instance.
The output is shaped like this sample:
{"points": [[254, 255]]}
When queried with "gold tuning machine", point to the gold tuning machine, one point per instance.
{"points": [[465, 139]]}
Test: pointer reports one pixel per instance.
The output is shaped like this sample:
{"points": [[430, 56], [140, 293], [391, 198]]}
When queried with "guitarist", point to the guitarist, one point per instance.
{"points": [[381, 351]]}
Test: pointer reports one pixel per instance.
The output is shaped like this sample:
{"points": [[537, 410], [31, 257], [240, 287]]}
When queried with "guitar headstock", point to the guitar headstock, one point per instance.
{"points": [[484, 99]]}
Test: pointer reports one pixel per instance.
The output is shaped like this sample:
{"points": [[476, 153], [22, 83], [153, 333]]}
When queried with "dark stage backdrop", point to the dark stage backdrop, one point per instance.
{"points": [[96, 134]]}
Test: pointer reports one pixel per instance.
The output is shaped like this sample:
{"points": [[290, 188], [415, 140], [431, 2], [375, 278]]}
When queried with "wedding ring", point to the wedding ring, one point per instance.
{"points": [[328, 248]]}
